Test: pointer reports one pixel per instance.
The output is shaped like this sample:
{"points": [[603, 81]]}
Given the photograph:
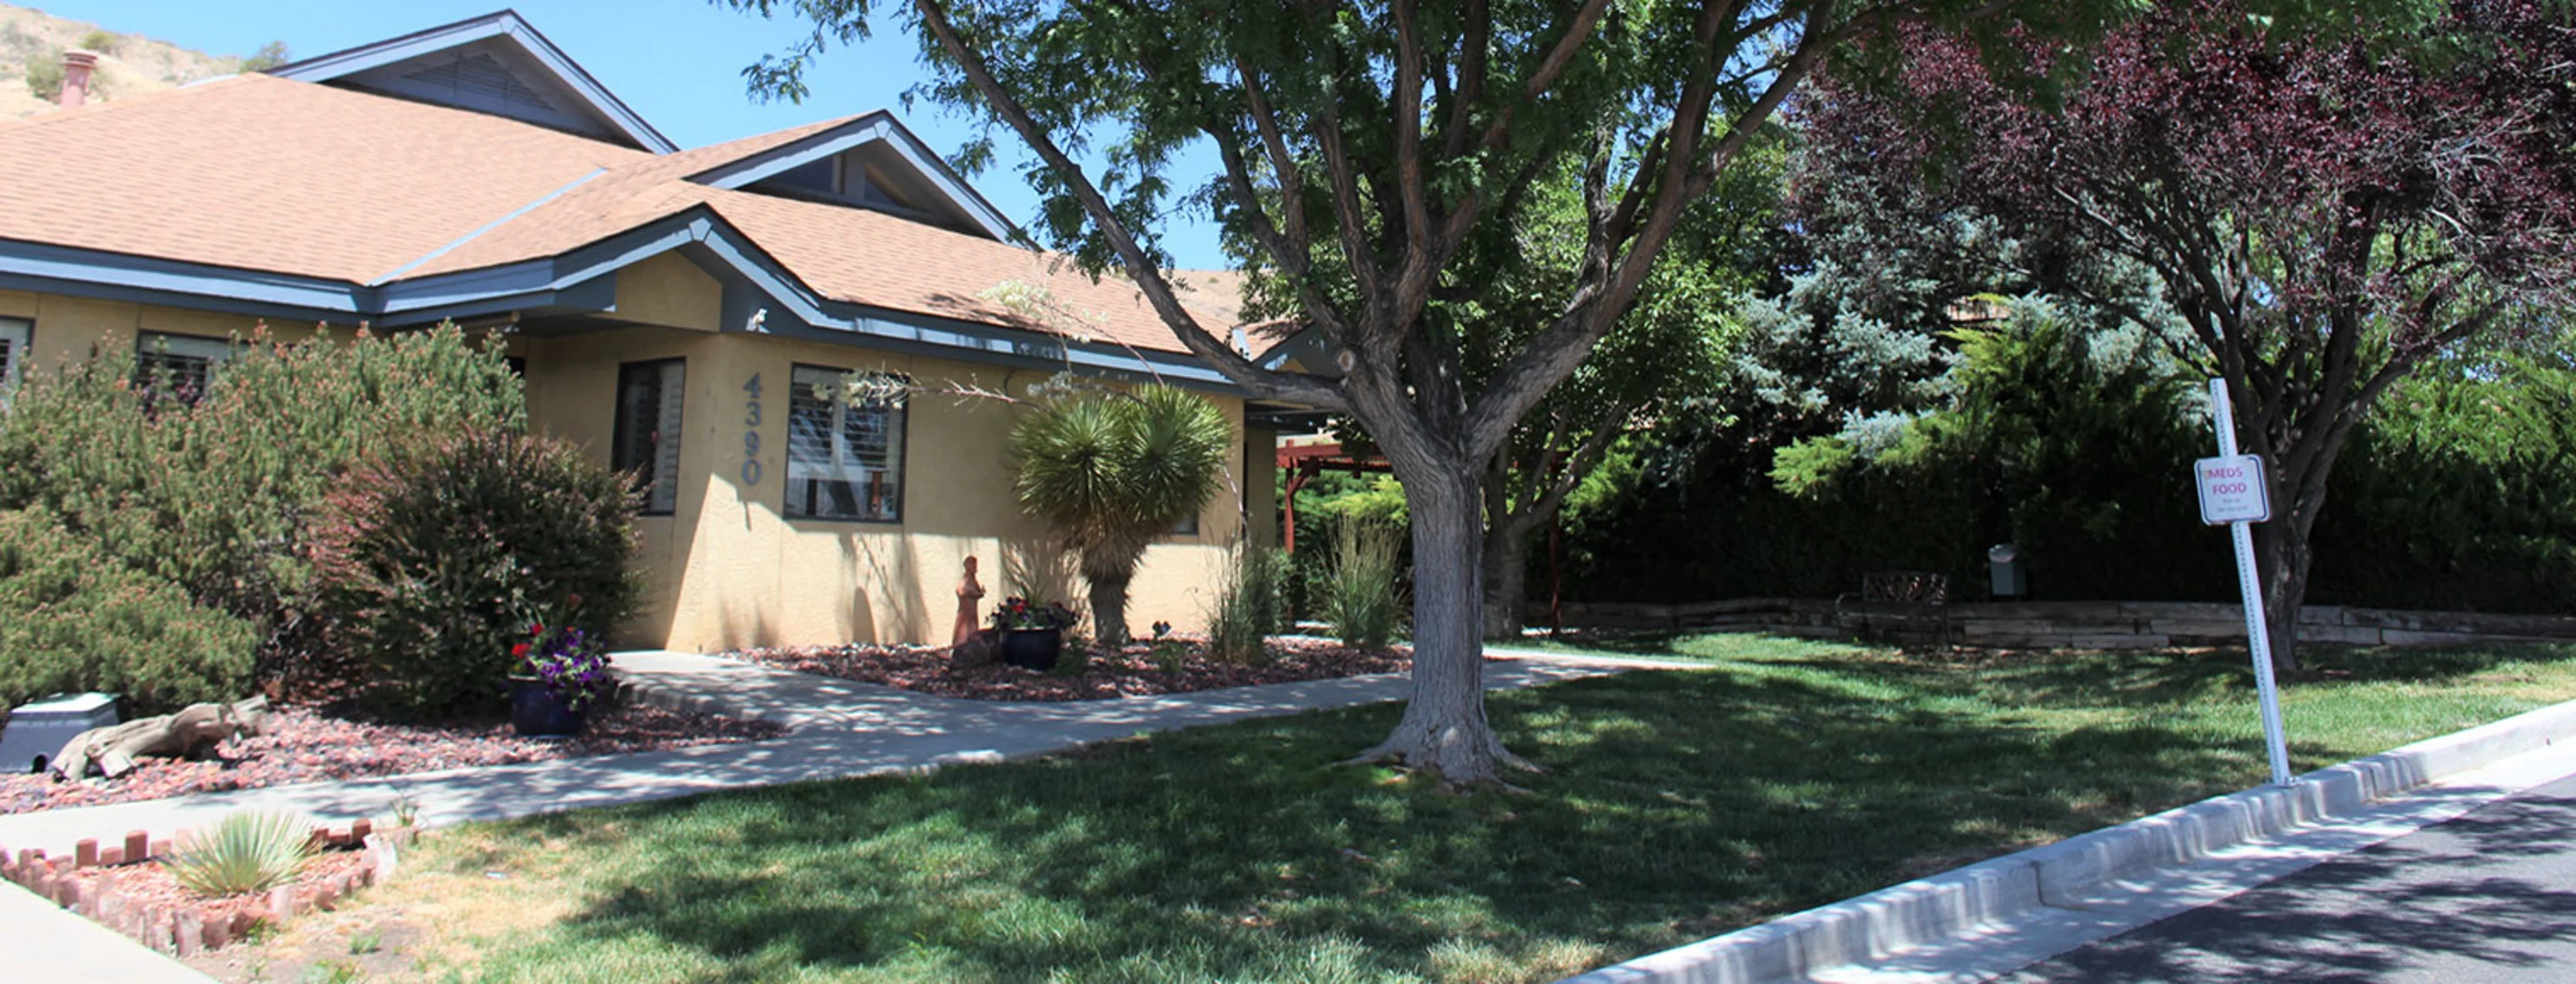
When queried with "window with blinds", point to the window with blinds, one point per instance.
{"points": [[14, 334], [647, 439], [844, 457], [177, 367]]}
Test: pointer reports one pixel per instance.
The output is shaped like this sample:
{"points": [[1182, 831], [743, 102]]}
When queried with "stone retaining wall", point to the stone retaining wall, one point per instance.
{"points": [[2074, 624]]}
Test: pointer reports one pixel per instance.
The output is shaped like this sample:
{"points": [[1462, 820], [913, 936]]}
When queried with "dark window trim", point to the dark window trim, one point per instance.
{"points": [[618, 424], [15, 370], [903, 468], [232, 347]]}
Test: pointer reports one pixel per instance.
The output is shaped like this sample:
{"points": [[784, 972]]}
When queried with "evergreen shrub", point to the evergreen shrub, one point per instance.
{"points": [[73, 619], [217, 496]]}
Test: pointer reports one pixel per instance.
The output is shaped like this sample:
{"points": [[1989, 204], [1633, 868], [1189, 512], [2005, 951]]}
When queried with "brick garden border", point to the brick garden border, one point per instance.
{"points": [[184, 929]]}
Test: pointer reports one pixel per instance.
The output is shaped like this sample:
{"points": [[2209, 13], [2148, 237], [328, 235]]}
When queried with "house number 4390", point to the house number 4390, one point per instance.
{"points": [[751, 431]]}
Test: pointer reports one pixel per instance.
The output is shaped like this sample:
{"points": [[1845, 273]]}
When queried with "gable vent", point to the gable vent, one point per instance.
{"points": [[479, 79]]}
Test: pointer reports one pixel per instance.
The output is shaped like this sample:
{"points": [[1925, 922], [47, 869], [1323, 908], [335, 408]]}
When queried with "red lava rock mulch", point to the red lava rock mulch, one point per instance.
{"points": [[1134, 672], [303, 745]]}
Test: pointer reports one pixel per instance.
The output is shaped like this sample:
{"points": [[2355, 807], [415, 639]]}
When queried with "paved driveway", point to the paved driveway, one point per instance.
{"points": [[2487, 897]]}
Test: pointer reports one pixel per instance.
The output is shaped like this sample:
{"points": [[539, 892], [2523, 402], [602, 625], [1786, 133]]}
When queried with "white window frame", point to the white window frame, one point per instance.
{"points": [[810, 475]]}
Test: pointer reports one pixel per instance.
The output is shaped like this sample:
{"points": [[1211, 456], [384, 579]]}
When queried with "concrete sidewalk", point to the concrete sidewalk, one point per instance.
{"points": [[41, 943]]}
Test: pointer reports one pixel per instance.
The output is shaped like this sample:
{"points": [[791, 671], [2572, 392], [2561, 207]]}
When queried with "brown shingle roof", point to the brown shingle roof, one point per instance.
{"points": [[260, 173], [292, 177]]}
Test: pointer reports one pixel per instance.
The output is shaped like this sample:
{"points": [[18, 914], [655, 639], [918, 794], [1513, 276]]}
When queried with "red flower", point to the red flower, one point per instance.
{"points": [[519, 650]]}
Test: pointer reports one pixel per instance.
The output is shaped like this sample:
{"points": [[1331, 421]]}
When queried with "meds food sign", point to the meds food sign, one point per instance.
{"points": [[2232, 490]]}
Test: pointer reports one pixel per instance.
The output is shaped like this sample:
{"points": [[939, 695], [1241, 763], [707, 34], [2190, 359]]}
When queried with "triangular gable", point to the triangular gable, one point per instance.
{"points": [[915, 174], [493, 64]]}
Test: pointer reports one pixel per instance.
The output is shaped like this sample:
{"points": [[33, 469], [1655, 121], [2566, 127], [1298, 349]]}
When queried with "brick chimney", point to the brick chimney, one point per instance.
{"points": [[77, 65]]}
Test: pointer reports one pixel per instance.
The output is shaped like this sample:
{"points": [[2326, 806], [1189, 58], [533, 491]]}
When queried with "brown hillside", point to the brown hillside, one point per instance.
{"points": [[135, 65]]}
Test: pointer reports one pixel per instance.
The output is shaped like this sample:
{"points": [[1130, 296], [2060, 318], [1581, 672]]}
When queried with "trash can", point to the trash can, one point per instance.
{"points": [[2010, 581], [36, 731]]}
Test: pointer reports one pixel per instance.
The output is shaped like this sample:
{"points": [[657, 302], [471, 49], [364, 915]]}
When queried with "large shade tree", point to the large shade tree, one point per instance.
{"points": [[1361, 146], [2323, 216]]}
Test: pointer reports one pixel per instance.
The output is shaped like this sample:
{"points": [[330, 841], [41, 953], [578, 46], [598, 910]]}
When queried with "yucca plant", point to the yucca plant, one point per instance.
{"points": [[1113, 471], [1360, 596], [244, 852]]}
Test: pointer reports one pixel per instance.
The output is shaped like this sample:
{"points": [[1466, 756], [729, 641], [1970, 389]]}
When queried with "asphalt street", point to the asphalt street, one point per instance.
{"points": [[2487, 897]]}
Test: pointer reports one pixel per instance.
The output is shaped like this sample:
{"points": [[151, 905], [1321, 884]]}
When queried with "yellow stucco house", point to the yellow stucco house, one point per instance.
{"points": [[671, 309]]}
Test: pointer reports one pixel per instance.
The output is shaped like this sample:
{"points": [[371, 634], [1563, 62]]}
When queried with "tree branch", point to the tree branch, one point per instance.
{"points": [[1298, 388]]}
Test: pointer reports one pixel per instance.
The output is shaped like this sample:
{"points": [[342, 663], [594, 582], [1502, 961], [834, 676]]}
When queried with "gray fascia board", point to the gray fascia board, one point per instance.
{"points": [[876, 127], [598, 294], [506, 23], [582, 280], [280, 313], [175, 278]]}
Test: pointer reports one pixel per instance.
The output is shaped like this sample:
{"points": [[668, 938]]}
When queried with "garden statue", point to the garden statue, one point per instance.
{"points": [[969, 646], [191, 733], [970, 595]]}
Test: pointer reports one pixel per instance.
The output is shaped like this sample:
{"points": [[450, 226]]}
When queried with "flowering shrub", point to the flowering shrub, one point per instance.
{"points": [[1018, 614], [426, 563], [571, 663]]}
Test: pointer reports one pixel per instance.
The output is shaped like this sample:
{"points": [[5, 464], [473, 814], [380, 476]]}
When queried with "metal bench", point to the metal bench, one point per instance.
{"points": [[1898, 606]]}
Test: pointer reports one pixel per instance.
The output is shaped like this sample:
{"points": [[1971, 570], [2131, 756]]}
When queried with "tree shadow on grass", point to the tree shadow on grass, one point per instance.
{"points": [[1677, 806]]}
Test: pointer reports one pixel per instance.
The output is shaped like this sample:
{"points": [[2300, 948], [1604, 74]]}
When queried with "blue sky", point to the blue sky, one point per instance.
{"points": [[678, 62]]}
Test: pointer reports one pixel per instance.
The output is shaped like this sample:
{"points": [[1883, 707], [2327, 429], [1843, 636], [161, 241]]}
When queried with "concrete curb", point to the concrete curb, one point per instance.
{"points": [[1882, 923]]}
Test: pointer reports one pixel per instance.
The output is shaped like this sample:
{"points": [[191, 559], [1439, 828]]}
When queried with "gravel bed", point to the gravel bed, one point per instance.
{"points": [[305, 745], [1137, 671]]}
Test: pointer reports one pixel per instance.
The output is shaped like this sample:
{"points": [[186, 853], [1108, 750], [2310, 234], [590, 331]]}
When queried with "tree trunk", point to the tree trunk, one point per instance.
{"points": [[1109, 607], [1506, 581], [1444, 727], [2281, 557]]}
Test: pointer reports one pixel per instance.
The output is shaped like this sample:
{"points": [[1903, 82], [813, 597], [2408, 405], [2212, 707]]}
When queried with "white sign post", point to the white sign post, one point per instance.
{"points": [[2233, 491]]}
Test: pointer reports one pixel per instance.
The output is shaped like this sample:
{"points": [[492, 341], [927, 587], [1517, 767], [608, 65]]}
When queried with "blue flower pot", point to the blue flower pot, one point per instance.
{"points": [[535, 712], [1032, 648]]}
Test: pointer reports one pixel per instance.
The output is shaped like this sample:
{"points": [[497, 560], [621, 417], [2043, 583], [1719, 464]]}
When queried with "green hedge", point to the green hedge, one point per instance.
{"points": [[74, 619], [2459, 493]]}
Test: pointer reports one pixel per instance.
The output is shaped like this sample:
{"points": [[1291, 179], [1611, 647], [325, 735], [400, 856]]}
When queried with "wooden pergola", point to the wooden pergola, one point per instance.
{"points": [[1303, 462]]}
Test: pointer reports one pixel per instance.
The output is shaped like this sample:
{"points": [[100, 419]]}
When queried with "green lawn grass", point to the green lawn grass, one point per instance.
{"points": [[1678, 804]]}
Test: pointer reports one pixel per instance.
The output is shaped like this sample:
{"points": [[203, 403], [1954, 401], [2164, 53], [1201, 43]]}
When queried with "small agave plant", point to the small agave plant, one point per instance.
{"points": [[245, 852]]}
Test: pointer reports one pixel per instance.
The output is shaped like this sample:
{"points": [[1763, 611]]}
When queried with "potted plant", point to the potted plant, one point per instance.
{"points": [[556, 674], [1032, 634]]}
